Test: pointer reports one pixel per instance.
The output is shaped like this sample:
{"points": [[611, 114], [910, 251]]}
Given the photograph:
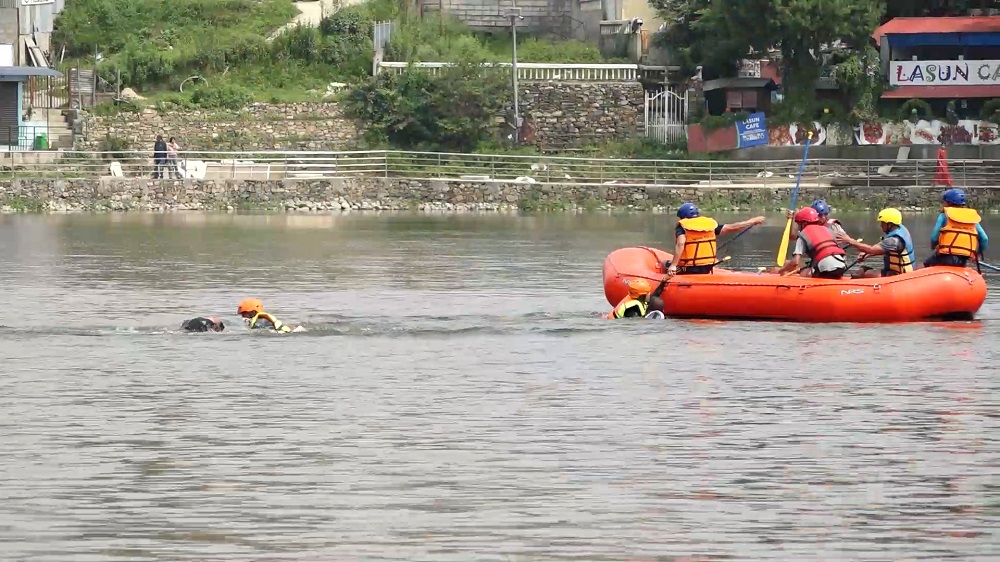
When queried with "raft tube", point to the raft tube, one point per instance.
{"points": [[933, 293]]}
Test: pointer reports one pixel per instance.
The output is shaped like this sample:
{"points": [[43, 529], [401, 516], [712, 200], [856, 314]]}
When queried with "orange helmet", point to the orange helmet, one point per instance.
{"points": [[638, 288], [250, 305]]}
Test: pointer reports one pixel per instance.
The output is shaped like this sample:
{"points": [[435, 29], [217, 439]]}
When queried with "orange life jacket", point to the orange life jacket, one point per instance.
{"points": [[958, 236], [699, 242]]}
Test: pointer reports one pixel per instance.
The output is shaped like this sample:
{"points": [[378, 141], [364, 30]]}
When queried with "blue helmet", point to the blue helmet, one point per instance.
{"points": [[687, 211], [821, 207], [954, 197]]}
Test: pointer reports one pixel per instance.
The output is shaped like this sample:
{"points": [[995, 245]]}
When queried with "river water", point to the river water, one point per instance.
{"points": [[458, 398]]}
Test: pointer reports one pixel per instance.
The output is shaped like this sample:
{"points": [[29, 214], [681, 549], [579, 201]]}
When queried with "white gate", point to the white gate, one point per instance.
{"points": [[666, 115]]}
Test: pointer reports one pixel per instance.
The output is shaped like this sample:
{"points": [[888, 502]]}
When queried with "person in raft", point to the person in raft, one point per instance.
{"points": [[824, 218], [896, 247], [826, 258], [203, 324], [957, 236], [252, 311], [696, 237], [636, 304]]}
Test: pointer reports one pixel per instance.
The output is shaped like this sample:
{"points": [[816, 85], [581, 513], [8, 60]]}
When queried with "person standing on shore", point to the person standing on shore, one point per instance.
{"points": [[942, 176], [159, 157], [173, 166]]}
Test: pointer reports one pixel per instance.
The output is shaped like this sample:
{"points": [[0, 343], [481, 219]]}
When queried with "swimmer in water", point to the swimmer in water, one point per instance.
{"points": [[203, 324], [252, 311]]}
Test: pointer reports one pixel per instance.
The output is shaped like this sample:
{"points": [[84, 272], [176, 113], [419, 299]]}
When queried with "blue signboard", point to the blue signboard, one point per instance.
{"points": [[752, 132]]}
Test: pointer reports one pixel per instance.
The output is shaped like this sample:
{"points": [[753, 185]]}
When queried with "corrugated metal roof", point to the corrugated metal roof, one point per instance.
{"points": [[27, 71], [915, 26]]}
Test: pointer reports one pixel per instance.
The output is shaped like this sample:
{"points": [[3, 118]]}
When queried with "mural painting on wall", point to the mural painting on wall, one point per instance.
{"points": [[796, 134], [966, 131]]}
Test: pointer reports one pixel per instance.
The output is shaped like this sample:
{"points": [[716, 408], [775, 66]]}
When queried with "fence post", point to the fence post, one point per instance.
{"points": [[917, 175], [710, 173], [868, 176], [656, 172]]}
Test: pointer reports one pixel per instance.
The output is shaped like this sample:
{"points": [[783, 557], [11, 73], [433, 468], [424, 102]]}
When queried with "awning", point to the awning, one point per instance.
{"points": [[747, 83], [965, 30], [936, 92], [22, 73]]}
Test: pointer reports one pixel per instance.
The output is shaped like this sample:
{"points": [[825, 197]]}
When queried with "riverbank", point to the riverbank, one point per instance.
{"points": [[395, 194]]}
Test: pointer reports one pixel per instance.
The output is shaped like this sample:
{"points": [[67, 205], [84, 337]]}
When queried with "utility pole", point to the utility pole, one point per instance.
{"points": [[514, 13]]}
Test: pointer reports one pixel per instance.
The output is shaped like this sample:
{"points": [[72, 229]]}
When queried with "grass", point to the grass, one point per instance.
{"points": [[155, 45]]}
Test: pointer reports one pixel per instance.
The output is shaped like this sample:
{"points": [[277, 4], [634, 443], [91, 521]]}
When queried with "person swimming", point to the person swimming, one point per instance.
{"points": [[203, 324], [252, 311]]}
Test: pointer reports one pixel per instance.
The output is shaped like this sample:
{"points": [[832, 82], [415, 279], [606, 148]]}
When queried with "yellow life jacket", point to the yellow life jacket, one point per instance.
{"points": [[625, 305], [958, 236], [278, 326], [699, 242], [901, 261]]}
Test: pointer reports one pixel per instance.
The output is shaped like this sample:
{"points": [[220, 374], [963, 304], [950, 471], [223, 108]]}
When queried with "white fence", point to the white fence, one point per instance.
{"points": [[538, 71], [30, 165]]}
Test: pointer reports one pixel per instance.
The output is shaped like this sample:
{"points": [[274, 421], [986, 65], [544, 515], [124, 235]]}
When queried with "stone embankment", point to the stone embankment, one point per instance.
{"points": [[358, 194], [557, 115]]}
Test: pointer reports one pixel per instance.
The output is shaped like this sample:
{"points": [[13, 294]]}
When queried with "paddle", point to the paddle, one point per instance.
{"points": [[733, 239], [988, 266], [783, 248]]}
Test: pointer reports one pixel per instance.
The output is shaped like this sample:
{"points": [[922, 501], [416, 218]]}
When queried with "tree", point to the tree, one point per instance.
{"points": [[452, 110], [717, 33], [933, 8]]}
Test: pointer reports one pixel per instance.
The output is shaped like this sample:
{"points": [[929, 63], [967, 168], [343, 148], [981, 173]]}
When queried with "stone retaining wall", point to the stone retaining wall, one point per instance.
{"points": [[401, 194], [557, 115]]}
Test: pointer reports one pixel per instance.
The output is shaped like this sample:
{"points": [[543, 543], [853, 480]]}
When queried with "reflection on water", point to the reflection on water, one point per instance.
{"points": [[458, 398]]}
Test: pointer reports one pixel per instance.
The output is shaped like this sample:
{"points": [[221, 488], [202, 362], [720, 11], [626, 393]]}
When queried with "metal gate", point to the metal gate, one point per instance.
{"points": [[666, 115]]}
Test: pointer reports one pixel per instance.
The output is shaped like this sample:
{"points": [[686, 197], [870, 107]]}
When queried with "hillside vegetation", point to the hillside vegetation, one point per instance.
{"points": [[155, 45]]}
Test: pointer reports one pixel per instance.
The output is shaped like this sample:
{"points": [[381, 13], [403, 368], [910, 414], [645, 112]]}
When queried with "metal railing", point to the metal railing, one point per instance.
{"points": [[312, 165], [39, 134], [538, 71]]}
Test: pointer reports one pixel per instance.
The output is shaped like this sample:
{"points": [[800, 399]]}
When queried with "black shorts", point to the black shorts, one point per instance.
{"points": [[835, 274], [946, 259], [695, 270]]}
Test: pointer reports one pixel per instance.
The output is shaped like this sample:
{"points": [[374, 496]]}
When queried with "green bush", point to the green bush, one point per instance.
{"points": [[716, 122], [990, 109], [227, 96], [453, 110], [923, 109]]}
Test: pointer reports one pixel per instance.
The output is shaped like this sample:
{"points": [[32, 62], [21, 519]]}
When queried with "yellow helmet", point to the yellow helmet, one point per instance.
{"points": [[891, 216]]}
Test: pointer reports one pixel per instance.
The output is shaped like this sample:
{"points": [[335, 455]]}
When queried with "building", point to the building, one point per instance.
{"points": [[942, 59], [26, 27], [18, 130], [568, 19], [757, 85]]}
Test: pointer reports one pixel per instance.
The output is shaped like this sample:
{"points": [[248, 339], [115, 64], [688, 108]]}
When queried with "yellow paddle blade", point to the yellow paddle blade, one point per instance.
{"points": [[783, 248]]}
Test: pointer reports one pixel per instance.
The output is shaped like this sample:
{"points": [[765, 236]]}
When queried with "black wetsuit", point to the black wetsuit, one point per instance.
{"points": [[202, 324]]}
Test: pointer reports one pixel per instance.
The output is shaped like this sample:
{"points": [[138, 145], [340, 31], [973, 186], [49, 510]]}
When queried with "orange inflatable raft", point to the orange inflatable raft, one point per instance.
{"points": [[933, 293]]}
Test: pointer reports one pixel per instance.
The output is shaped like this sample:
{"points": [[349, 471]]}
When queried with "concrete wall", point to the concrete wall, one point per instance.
{"points": [[396, 193], [540, 16], [871, 152]]}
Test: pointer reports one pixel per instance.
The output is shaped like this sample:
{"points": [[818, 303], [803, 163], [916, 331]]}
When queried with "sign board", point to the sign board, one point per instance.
{"points": [[6, 54], [36, 2], [752, 131], [944, 72]]}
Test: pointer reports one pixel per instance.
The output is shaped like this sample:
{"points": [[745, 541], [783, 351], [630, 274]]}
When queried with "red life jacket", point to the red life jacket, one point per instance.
{"points": [[820, 242]]}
